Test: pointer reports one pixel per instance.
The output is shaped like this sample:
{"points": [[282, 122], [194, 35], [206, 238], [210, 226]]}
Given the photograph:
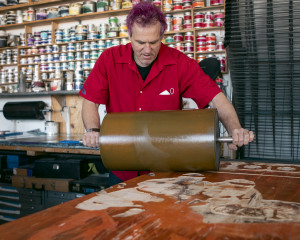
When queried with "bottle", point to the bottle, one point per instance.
{"points": [[22, 84]]}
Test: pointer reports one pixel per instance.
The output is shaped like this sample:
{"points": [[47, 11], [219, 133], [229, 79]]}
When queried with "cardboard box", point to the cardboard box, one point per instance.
{"points": [[18, 181], [50, 184], [25, 170]]}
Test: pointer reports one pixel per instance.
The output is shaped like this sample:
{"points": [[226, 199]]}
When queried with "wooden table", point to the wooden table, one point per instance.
{"points": [[37, 145], [241, 201]]}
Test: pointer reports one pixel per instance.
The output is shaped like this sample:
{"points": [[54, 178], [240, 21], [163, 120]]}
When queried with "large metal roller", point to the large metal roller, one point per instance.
{"points": [[161, 141]]}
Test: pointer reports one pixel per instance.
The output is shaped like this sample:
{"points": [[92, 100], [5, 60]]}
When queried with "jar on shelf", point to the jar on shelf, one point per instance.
{"points": [[198, 3], [63, 10], [115, 4], [187, 5], [189, 47], [167, 7], [208, 23], [220, 46], [179, 47], [30, 14], [219, 22], [12, 2], [19, 16], [219, 15], [187, 16], [75, 9], [216, 2], [169, 39], [128, 4], [178, 37], [189, 37], [102, 5], [3, 3], [177, 6], [52, 13], [210, 37], [41, 14], [88, 7], [209, 16]]}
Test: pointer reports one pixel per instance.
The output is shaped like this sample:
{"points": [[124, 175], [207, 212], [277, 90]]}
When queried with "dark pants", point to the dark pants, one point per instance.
{"points": [[113, 179]]}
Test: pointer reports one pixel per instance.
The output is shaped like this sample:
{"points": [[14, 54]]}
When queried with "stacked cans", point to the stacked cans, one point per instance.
{"points": [[178, 39], [9, 56], [208, 19], [179, 23], [208, 43], [9, 76], [176, 5], [36, 39], [76, 58]]}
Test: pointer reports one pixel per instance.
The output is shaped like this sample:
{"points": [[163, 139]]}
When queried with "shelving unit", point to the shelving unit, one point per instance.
{"points": [[54, 24]]}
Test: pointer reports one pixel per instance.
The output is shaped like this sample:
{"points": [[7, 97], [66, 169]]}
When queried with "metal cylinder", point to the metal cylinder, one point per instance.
{"points": [[161, 141]]}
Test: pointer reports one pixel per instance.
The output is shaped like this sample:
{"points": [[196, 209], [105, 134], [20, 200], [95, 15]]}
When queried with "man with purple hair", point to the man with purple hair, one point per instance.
{"points": [[146, 75]]}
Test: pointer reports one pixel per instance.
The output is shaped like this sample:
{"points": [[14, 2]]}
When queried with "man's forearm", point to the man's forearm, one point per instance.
{"points": [[226, 113], [90, 114]]}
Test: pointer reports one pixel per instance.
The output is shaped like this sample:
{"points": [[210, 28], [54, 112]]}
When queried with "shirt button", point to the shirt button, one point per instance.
{"points": [[141, 91], [140, 109]]}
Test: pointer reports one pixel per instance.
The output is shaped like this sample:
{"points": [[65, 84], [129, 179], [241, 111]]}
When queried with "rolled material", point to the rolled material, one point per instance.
{"points": [[161, 141], [24, 110]]}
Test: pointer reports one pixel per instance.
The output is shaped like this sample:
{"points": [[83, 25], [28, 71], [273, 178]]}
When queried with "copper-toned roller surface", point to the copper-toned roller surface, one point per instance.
{"points": [[161, 141]]}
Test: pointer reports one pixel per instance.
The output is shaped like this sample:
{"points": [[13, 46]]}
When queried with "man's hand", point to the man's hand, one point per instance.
{"points": [[241, 137], [91, 139]]}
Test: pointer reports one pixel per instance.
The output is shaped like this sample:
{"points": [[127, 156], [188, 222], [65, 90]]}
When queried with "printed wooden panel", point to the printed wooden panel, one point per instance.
{"points": [[229, 204]]}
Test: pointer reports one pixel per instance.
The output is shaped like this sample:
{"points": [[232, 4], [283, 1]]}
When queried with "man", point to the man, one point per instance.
{"points": [[146, 75]]}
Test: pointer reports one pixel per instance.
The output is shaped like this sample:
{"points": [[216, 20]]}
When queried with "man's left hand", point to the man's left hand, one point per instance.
{"points": [[241, 137]]}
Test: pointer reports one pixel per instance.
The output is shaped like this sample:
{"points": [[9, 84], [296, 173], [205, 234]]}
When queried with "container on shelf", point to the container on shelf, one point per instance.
{"points": [[187, 5], [189, 37], [30, 14], [102, 5], [216, 2], [75, 9], [189, 47], [198, 3], [63, 10], [115, 4], [88, 7]]}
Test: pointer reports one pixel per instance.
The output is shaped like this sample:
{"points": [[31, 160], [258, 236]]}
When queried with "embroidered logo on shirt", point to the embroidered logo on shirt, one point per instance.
{"points": [[166, 92]]}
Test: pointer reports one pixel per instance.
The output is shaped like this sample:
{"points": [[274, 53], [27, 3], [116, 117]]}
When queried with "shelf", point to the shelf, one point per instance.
{"points": [[212, 52], [181, 31], [79, 17], [179, 42], [24, 65], [178, 11], [5, 84], [30, 94], [8, 65], [39, 54], [208, 29], [3, 48], [197, 9]]}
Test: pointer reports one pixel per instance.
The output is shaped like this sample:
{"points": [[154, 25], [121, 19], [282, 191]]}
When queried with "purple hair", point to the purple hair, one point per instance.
{"points": [[145, 14]]}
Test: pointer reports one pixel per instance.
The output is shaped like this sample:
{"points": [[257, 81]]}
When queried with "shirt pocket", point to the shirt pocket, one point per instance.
{"points": [[167, 102]]}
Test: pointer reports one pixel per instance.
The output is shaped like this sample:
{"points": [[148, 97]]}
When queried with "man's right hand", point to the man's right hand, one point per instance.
{"points": [[91, 139]]}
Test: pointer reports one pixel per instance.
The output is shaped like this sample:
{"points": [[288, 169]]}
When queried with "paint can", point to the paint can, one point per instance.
{"points": [[51, 128]]}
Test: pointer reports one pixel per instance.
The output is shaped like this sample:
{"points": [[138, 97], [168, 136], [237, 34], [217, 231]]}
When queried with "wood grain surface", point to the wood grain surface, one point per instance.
{"points": [[241, 201]]}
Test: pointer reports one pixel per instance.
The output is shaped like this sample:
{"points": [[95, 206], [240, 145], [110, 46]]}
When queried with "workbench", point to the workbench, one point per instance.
{"points": [[37, 144], [244, 200]]}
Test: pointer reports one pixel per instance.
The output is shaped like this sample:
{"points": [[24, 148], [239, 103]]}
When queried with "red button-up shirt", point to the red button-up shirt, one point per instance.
{"points": [[116, 82]]}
